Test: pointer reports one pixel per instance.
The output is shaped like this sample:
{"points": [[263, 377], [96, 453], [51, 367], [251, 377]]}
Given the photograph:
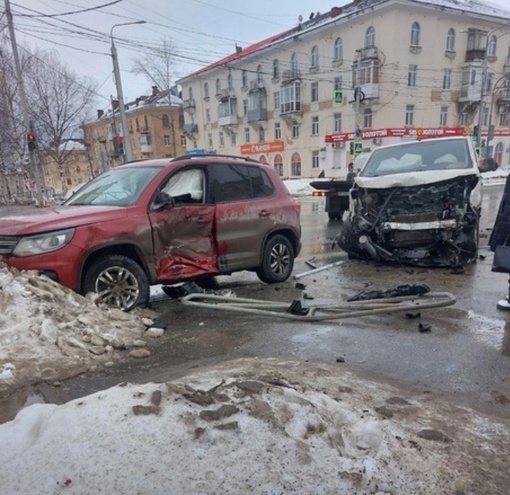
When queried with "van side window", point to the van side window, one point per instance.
{"points": [[237, 183]]}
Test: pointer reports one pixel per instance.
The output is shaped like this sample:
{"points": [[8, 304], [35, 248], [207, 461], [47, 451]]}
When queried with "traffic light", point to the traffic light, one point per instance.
{"points": [[32, 141], [120, 145]]}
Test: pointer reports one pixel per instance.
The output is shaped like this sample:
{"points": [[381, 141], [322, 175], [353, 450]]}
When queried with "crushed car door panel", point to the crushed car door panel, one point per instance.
{"points": [[184, 243]]}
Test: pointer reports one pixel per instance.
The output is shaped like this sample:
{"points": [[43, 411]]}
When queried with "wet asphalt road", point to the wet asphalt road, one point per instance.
{"points": [[466, 353]]}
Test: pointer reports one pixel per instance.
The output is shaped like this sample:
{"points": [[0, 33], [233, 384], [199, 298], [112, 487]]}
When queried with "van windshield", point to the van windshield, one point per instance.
{"points": [[117, 187], [418, 156]]}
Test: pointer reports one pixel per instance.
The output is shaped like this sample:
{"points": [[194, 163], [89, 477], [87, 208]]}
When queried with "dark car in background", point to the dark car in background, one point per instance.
{"points": [[416, 202], [160, 222]]}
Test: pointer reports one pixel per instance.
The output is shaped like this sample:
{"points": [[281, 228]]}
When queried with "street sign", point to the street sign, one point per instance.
{"points": [[338, 97], [358, 132], [356, 148]]}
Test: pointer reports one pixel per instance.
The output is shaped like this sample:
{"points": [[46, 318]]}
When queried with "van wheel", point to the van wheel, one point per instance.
{"points": [[118, 281], [277, 260]]}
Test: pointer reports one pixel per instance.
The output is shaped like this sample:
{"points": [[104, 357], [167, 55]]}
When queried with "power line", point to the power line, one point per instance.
{"points": [[72, 12]]}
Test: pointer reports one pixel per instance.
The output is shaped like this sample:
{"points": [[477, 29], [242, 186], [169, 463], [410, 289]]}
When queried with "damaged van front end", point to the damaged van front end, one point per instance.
{"points": [[416, 203]]}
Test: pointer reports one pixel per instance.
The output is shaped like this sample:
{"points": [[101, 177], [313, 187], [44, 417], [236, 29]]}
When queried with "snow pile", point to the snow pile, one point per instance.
{"points": [[253, 426], [48, 332]]}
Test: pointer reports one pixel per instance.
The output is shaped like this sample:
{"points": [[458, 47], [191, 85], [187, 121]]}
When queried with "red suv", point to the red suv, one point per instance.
{"points": [[160, 222]]}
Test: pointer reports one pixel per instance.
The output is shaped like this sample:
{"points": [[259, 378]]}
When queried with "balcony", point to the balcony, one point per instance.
{"points": [[370, 90], [475, 55], [188, 104], [367, 53], [256, 115], [190, 128], [145, 148], [228, 120], [226, 94], [290, 75], [255, 85]]}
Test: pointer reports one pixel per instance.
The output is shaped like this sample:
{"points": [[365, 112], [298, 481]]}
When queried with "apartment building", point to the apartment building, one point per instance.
{"points": [[155, 126], [369, 73]]}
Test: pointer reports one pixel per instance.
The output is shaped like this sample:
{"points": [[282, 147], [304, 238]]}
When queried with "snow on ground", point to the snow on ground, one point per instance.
{"points": [[255, 426], [48, 332]]}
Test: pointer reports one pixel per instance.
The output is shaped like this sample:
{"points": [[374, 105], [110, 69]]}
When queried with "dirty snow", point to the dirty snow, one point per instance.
{"points": [[255, 426], [48, 332]]}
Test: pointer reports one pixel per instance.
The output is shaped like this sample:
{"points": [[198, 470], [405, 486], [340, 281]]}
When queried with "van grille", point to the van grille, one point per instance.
{"points": [[7, 244]]}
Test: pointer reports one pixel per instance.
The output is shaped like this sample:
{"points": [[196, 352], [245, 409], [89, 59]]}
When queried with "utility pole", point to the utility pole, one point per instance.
{"points": [[120, 95], [29, 130]]}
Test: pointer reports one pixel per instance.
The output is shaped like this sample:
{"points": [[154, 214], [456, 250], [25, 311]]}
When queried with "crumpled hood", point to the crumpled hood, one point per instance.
{"points": [[413, 178], [36, 221]]}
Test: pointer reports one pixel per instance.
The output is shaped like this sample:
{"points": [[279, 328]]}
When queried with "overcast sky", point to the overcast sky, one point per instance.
{"points": [[202, 31]]}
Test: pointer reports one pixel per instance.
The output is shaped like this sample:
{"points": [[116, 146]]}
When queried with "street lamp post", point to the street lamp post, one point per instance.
{"points": [[120, 95]]}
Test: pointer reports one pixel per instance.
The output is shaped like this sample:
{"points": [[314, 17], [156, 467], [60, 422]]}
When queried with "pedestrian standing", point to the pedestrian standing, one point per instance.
{"points": [[500, 236]]}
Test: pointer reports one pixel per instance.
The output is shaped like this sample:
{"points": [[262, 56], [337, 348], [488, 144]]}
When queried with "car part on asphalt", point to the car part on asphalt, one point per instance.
{"points": [[401, 290], [319, 269], [353, 309]]}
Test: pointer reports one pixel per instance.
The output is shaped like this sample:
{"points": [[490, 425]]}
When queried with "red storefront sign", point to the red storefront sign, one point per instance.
{"points": [[418, 132], [253, 149]]}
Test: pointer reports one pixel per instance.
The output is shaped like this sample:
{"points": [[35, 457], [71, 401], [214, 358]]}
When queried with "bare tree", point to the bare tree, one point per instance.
{"points": [[156, 65], [59, 103]]}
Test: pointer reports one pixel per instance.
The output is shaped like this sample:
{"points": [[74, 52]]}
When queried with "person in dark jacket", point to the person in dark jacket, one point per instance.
{"points": [[500, 235]]}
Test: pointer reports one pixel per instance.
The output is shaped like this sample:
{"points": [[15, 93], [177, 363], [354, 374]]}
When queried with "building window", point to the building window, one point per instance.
{"points": [[206, 90], [338, 82], [315, 159], [291, 97], [367, 118], [409, 115], [491, 47], [244, 79], [210, 140], [183, 141], [485, 115], [447, 78], [146, 122], [295, 130], [498, 154], [365, 72], [315, 126], [190, 93], [450, 40], [233, 139], [222, 139], [229, 82], [294, 66], [277, 130], [260, 74], [218, 87], [464, 118], [472, 77], [370, 37], [246, 134], [276, 96], [412, 75], [443, 116], [315, 91], [167, 141], [337, 122], [207, 115], [314, 57], [245, 107], [415, 34], [503, 118], [165, 122], [338, 51], [278, 165], [488, 82], [276, 69], [295, 165], [262, 134]]}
